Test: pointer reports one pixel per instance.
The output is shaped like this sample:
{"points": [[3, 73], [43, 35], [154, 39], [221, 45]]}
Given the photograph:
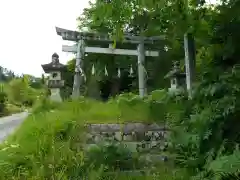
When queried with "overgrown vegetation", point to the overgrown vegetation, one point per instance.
{"points": [[54, 133], [18, 94], [206, 130], [203, 140], [205, 137]]}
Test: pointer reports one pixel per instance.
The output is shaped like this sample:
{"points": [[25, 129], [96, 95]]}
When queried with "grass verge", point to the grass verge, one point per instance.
{"points": [[48, 145]]}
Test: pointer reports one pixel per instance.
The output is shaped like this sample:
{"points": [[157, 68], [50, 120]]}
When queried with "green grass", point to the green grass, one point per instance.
{"points": [[90, 111], [17, 96], [48, 145], [12, 109], [39, 146], [51, 134]]}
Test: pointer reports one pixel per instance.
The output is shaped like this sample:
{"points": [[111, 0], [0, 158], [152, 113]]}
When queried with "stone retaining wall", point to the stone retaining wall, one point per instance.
{"points": [[138, 137]]}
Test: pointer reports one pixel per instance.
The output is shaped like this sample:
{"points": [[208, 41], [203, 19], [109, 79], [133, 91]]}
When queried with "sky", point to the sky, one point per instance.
{"points": [[27, 32]]}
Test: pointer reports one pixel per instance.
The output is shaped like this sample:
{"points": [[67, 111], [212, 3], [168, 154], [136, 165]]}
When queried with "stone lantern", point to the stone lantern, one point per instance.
{"points": [[177, 78], [55, 82]]}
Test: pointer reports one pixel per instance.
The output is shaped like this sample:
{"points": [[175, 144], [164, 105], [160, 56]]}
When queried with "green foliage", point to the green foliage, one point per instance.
{"points": [[113, 157], [7, 108], [17, 90], [66, 92], [151, 108], [48, 155], [157, 105], [3, 98], [92, 20], [54, 136], [205, 128], [20, 92], [6, 75], [43, 105]]}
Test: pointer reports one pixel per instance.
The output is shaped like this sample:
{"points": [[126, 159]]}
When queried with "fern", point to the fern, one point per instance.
{"points": [[206, 129]]}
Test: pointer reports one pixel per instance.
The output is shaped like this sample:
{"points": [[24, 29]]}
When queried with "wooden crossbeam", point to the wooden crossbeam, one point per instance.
{"points": [[82, 37], [66, 48], [89, 36]]}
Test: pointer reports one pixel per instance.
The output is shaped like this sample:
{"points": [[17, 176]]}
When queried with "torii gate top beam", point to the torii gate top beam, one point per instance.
{"points": [[70, 35]]}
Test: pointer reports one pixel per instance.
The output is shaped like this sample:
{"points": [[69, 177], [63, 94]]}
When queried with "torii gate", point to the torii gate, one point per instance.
{"points": [[80, 49]]}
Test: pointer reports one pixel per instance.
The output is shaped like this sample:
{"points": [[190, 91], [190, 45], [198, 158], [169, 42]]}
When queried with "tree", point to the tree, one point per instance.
{"points": [[156, 67], [207, 140]]}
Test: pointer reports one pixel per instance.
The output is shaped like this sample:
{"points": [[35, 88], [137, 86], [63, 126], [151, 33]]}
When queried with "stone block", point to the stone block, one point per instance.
{"points": [[138, 137], [118, 136], [133, 127]]}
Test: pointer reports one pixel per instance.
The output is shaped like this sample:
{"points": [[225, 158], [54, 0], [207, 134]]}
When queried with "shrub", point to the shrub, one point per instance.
{"points": [[44, 146], [54, 140], [112, 157], [3, 98], [206, 135], [132, 106], [20, 92], [44, 104], [157, 105]]}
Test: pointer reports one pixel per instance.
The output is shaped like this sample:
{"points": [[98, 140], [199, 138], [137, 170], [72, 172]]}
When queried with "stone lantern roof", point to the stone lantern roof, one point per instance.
{"points": [[55, 65]]}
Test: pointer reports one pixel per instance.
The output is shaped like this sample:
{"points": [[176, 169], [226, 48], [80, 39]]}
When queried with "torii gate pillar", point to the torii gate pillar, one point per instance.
{"points": [[141, 72], [190, 61], [78, 77], [92, 37]]}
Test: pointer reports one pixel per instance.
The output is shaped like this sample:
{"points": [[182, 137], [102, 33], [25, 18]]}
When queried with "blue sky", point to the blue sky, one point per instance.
{"points": [[27, 29]]}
